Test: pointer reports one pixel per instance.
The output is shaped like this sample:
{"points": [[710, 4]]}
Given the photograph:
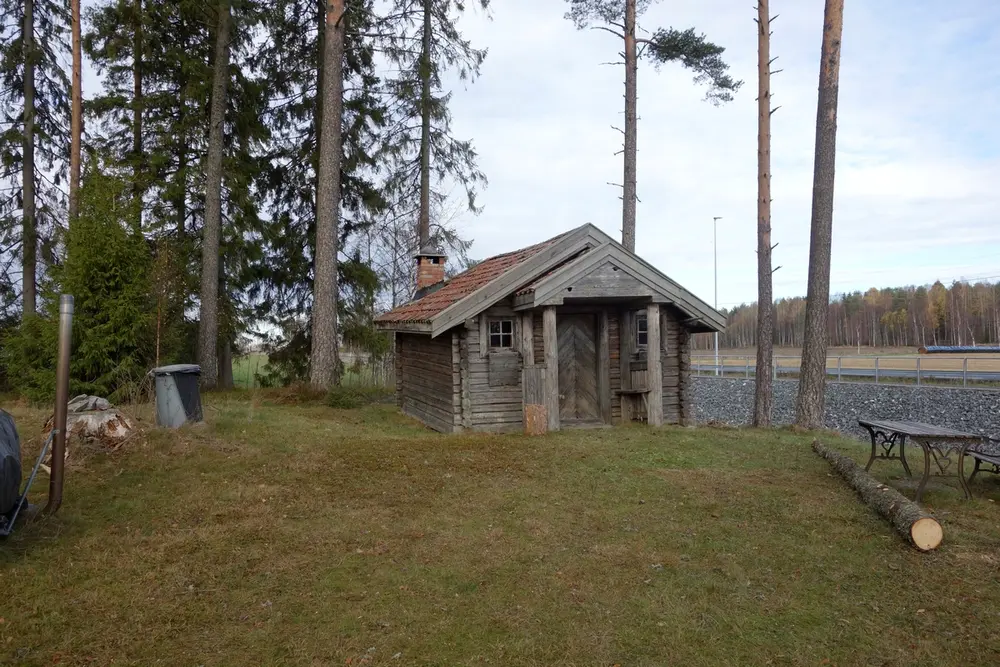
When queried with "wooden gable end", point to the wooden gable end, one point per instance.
{"points": [[611, 272], [607, 280]]}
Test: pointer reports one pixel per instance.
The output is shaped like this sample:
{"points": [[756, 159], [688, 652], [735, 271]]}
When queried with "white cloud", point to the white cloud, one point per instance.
{"points": [[916, 161]]}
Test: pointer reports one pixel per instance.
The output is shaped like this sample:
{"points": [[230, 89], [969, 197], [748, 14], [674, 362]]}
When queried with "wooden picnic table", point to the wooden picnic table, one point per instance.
{"points": [[937, 442]]}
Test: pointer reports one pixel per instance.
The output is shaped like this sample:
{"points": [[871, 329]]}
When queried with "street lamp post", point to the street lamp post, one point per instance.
{"points": [[715, 252]]}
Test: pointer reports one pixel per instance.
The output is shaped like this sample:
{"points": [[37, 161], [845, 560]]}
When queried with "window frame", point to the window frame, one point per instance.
{"points": [[501, 334], [641, 319]]}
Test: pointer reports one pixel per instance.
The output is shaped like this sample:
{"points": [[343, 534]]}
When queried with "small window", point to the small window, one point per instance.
{"points": [[501, 334], [641, 330]]}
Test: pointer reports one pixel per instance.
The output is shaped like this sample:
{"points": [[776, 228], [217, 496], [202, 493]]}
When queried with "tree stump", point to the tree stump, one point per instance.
{"points": [[920, 528]]}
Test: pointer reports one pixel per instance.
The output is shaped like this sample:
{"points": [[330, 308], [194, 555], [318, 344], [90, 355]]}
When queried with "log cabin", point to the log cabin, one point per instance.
{"points": [[571, 332]]}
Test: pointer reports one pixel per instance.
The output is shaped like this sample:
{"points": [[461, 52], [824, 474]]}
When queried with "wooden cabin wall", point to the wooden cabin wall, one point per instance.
{"points": [[670, 328], [685, 399], [425, 373], [496, 405], [614, 342], [670, 359]]}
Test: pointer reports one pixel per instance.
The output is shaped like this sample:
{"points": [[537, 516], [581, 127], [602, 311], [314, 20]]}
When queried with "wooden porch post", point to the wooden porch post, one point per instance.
{"points": [[528, 338], [550, 339], [654, 366]]}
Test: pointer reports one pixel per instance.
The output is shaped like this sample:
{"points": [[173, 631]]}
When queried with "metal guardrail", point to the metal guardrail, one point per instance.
{"points": [[848, 368]]}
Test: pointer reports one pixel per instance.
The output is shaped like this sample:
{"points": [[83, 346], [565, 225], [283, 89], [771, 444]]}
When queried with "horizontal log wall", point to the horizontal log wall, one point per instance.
{"points": [[670, 357], [670, 328], [494, 408], [426, 371], [614, 336]]}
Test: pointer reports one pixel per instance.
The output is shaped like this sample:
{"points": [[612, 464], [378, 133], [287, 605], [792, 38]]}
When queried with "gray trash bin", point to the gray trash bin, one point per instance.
{"points": [[178, 399]]}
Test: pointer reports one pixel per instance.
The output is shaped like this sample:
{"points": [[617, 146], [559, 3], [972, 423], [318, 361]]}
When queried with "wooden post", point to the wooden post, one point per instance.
{"points": [[604, 366], [550, 339], [654, 366], [536, 421], [625, 338], [528, 338]]}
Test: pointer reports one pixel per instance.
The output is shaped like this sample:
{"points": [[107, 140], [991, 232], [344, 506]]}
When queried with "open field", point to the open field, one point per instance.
{"points": [[889, 364], [295, 534], [246, 368]]}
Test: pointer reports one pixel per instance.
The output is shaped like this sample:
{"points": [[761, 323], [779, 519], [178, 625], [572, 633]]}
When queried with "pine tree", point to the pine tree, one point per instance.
{"points": [[210, 276], [763, 397], [76, 117], [812, 379], [667, 45], [323, 372]]}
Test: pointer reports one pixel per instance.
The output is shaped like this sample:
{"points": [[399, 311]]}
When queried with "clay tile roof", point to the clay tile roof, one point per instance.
{"points": [[462, 285]]}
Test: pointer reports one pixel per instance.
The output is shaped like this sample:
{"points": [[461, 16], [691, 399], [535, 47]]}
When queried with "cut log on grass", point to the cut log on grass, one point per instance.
{"points": [[906, 516]]}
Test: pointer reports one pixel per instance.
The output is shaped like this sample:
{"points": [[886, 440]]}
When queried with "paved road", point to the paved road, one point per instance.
{"points": [[853, 373]]}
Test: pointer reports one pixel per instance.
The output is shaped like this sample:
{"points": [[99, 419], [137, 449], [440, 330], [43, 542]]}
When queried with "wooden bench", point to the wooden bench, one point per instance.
{"points": [[989, 459], [634, 393]]}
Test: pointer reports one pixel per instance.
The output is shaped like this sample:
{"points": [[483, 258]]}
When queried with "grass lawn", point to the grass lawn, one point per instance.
{"points": [[295, 534]]}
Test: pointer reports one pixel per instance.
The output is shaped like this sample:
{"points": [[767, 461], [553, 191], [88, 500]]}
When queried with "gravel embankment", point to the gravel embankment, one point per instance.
{"points": [[730, 401]]}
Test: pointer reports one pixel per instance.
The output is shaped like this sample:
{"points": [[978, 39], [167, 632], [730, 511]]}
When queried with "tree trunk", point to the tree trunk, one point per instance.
{"points": [[424, 224], [919, 528], [76, 122], [225, 333], [631, 121], [323, 362], [28, 239], [812, 383], [137, 102], [208, 328], [763, 390]]}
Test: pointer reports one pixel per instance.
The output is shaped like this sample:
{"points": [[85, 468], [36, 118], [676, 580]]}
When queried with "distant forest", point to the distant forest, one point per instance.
{"points": [[963, 314]]}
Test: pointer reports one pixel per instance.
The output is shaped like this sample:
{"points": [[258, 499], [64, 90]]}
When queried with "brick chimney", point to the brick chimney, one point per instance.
{"points": [[430, 271]]}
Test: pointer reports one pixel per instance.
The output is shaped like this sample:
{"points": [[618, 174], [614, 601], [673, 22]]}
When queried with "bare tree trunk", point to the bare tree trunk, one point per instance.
{"points": [[137, 103], [424, 224], [76, 122], [28, 239], [631, 123], [763, 390], [208, 327], [323, 361], [812, 383]]}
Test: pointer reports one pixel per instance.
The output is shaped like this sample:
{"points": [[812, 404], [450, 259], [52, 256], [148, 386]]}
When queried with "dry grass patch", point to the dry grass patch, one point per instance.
{"points": [[302, 535]]}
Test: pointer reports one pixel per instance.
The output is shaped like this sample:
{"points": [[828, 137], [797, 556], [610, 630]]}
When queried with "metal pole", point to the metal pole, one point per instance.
{"points": [[918, 371], [840, 365], [876, 370], [715, 252], [62, 398], [965, 371]]}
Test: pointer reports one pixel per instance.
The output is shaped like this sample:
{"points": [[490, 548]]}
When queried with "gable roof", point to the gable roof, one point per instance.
{"points": [[424, 309], [536, 273]]}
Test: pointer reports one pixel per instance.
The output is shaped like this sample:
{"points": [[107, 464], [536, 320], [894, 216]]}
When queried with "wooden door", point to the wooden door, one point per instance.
{"points": [[578, 386]]}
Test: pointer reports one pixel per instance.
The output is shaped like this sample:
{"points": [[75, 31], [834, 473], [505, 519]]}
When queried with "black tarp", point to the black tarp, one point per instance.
{"points": [[10, 463]]}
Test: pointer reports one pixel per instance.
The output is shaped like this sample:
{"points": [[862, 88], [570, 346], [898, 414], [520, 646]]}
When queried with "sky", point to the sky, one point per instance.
{"points": [[918, 150]]}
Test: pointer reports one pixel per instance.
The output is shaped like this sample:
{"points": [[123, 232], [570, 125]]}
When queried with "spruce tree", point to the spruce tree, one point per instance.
{"points": [[422, 155], [34, 120]]}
